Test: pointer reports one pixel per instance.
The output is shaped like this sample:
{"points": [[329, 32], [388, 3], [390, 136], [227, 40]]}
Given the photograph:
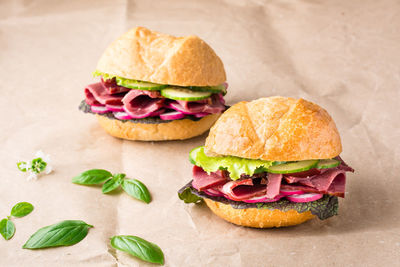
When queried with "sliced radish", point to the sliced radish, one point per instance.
{"points": [[262, 199], [178, 107], [173, 115], [213, 192], [97, 104], [114, 107], [305, 197], [99, 109], [145, 115], [290, 192], [228, 197], [216, 190], [157, 112], [126, 116], [122, 115]]}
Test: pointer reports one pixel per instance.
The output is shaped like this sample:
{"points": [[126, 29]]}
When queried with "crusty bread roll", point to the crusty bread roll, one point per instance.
{"points": [[276, 129], [142, 54], [258, 218], [145, 55], [174, 130]]}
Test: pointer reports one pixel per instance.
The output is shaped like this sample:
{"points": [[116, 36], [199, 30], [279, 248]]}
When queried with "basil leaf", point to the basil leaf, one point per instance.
{"points": [[188, 197], [95, 176], [21, 209], [65, 233], [7, 228], [113, 183], [138, 247], [136, 189]]}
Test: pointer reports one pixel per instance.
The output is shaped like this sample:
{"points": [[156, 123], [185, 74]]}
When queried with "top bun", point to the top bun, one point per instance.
{"points": [[141, 54], [275, 129]]}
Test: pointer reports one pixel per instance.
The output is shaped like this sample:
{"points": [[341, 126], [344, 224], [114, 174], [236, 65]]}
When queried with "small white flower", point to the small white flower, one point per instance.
{"points": [[48, 169], [45, 157], [32, 176], [35, 171], [39, 154]]}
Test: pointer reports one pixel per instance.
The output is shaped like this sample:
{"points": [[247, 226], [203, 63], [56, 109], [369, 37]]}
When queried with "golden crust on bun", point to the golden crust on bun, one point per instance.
{"points": [[174, 130], [258, 218], [142, 54], [275, 129]]}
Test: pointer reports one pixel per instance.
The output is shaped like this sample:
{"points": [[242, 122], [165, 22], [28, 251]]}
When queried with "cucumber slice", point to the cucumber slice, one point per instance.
{"points": [[178, 93], [193, 154], [327, 163], [293, 167], [213, 89], [140, 85]]}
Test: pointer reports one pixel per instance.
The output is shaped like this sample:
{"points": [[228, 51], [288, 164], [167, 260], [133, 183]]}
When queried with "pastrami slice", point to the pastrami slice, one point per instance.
{"points": [[112, 87], [101, 95], [274, 185], [140, 104], [202, 180]]}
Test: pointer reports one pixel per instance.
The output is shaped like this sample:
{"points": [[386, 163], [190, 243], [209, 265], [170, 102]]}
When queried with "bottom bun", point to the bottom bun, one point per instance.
{"points": [[258, 218], [174, 130]]}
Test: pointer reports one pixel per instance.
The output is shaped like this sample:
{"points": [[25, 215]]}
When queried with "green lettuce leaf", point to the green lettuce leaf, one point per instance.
{"points": [[188, 197], [106, 76], [235, 165]]}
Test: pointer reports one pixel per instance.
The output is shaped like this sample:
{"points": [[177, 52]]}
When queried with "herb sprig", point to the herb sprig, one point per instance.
{"points": [[7, 227], [36, 166], [132, 187]]}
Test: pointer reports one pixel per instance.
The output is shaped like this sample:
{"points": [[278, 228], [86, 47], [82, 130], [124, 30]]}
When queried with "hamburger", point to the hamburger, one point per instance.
{"points": [[155, 86], [271, 162]]}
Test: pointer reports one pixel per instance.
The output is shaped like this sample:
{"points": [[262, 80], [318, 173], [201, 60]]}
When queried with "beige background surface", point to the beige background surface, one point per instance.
{"points": [[343, 55]]}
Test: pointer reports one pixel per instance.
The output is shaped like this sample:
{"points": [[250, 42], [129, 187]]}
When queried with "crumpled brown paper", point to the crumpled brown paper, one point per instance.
{"points": [[343, 55]]}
